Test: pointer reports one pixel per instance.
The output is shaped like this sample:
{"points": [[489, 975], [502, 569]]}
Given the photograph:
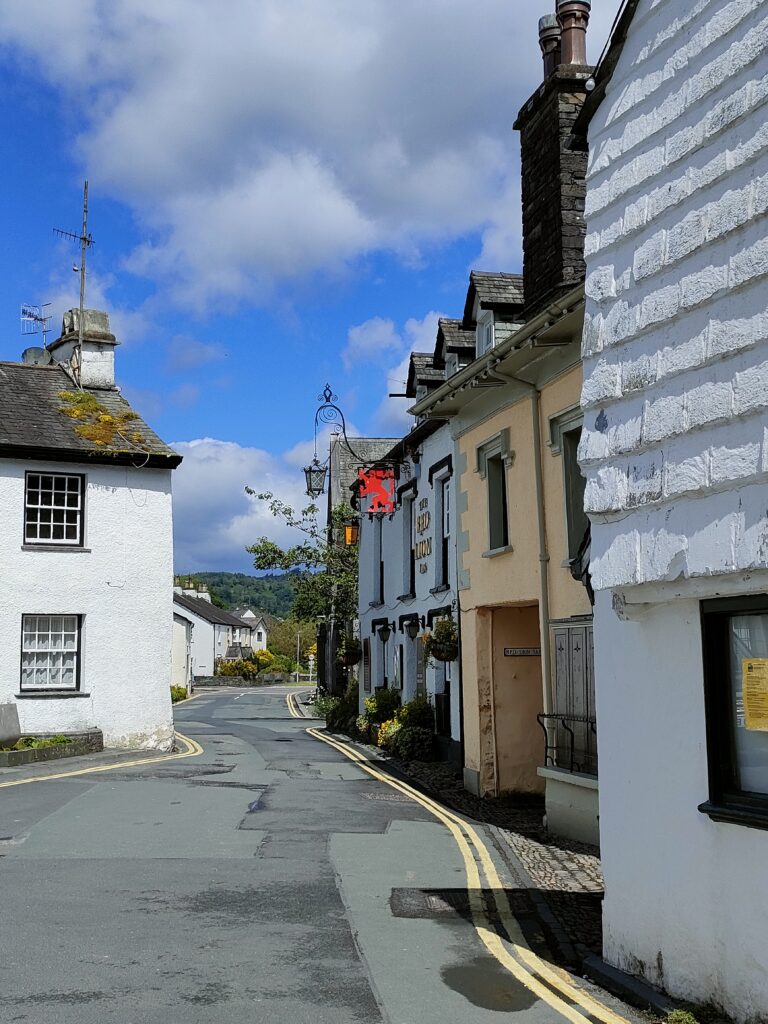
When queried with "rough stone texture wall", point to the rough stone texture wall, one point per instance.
{"points": [[675, 450], [553, 189], [676, 360]]}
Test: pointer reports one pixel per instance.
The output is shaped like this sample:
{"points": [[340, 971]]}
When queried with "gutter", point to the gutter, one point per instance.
{"points": [[488, 362]]}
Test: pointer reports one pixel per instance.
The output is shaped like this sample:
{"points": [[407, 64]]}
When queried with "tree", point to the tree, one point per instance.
{"points": [[282, 638], [325, 570]]}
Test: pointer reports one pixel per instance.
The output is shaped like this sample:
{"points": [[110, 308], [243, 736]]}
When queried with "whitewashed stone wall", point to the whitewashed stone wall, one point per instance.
{"points": [[676, 360], [120, 584], [675, 450]]}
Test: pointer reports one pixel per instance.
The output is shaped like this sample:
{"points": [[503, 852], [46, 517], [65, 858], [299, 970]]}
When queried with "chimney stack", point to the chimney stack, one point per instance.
{"points": [[95, 365], [553, 175], [549, 41], [573, 16]]}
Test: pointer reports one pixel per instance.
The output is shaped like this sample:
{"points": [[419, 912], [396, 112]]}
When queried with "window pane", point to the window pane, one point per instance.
{"points": [[748, 642]]}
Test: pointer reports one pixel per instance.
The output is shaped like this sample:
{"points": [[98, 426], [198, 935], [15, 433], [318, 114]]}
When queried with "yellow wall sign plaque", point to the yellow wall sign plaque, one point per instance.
{"points": [[754, 686]]}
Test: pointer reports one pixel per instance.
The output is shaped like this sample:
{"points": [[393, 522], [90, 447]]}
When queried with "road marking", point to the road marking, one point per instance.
{"points": [[290, 700], [187, 699], [470, 843], [193, 750]]}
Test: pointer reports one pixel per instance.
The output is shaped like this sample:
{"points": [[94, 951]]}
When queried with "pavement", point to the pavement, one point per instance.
{"points": [[263, 874]]}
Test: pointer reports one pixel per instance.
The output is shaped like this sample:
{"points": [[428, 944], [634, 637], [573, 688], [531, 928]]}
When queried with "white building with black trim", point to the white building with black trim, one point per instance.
{"points": [[87, 549]]}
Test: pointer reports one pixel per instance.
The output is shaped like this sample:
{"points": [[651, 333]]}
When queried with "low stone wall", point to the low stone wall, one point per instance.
{"points": [[263, 679], [90, 742]]}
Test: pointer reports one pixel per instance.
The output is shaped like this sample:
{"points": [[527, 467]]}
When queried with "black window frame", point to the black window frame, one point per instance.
{"points": [[80, 542], [78, 654], [727, 802]]}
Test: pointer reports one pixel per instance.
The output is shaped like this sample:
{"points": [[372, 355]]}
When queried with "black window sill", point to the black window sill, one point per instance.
{"points": [[54, 547], [50, 694], [441, 589], [736, 814], [375, 604], [405, 597]]}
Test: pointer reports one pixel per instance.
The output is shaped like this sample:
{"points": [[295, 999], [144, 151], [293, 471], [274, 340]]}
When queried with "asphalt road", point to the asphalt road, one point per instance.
{"points": [[267, 880]]}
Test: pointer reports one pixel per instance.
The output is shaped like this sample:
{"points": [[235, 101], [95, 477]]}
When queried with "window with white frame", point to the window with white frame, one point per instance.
{"points": [[50, 652], [485, 334], [53, 508], [259, 635]]}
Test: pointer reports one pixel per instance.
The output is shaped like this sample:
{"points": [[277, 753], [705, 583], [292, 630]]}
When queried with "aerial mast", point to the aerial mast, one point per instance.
{"points": [[85, 241]]}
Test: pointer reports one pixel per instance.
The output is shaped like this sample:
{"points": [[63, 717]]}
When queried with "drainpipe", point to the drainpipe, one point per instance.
{"points": [[546, 667]]}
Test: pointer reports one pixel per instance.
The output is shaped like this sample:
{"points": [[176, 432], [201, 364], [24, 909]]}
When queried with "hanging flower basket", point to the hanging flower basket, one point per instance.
{"points": [[442, 644], [349, 651], [444, 652]]}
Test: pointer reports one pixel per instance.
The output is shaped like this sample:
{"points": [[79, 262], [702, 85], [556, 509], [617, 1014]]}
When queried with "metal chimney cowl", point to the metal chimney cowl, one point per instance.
{"points": [[573, 17]]}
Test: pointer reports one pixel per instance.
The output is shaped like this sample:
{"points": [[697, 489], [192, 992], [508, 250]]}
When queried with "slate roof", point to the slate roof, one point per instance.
{"points": [[453, 336], [33, 426], [501, 292], [343, 465], [422, 370], [208, 611]]}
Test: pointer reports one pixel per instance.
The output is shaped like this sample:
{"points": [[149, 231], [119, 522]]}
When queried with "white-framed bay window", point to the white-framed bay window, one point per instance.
{"points": [[53, 508], [50, 652]]}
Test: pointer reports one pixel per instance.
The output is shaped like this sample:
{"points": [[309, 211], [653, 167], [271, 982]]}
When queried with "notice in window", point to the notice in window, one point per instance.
{"points": [[754, 687]]}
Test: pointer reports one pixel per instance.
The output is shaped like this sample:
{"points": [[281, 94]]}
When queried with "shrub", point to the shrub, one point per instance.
{"points": [[282, 663], [341, 713], [417, 712], [363, 728], [37, 742], [178, 693], [263, 659], [681, 1017], [413, 743], [381, 705], [324, 702], [349, 650], [244, 669], [388, 734]]}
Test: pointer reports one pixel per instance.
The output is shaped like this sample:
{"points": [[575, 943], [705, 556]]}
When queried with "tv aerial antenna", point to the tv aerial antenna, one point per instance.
{"points": [[86, 241], [35, 319]]}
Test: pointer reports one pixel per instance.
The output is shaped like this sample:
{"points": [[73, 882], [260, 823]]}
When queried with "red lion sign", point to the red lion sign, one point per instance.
{"points": [[379, 485]]}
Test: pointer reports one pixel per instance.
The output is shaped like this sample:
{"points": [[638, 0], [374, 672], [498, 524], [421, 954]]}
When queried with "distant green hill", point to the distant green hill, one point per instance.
{"points": [[271, 594]]}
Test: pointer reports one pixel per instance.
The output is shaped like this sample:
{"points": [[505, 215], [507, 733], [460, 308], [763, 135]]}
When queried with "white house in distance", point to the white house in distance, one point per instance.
{"points": [[181, 654], [258, 626], [408, 568], [216, 634], [87, 551], [675, 450]]}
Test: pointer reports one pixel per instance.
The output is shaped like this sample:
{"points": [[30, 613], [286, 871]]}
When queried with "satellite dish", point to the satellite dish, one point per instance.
{"points": [[36, 356]]}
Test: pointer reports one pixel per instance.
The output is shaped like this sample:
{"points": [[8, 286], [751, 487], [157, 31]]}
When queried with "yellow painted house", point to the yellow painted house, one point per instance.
{"points": [[523, 542]]}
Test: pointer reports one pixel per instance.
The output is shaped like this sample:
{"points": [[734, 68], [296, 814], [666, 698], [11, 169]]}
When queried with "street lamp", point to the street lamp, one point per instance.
{"points": [[315, 474], [385, 631]]}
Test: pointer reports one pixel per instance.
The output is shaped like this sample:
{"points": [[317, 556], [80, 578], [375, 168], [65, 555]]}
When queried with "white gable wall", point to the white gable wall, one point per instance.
{"points": [[675, 451], [120, 585]]}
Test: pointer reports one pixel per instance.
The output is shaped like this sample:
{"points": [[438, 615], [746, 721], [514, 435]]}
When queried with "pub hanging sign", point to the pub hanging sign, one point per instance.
{"points": [[378, 485]]}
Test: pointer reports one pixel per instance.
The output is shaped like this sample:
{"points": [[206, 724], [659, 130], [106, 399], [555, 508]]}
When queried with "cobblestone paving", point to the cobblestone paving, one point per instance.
{"points": [[563, 877]]}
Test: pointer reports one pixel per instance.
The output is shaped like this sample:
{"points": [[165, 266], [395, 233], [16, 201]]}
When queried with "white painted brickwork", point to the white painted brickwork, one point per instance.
{"points": [[676, 337], [675, 449]]}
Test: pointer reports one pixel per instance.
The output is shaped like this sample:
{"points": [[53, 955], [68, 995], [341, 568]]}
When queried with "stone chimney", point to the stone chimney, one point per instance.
{"points": [[553, 176], [96, 363]]}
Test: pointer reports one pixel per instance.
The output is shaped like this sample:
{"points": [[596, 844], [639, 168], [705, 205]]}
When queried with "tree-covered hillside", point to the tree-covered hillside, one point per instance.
{"points": [[271, 594]]}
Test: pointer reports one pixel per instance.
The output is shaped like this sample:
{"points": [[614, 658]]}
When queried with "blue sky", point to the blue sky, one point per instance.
{"points": [[283, 196]]}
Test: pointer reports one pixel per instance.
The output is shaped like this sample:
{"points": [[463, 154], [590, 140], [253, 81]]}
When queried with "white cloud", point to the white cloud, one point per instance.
{"points": [[371, 342], [185, 353], [289, 137], [214, 519]]}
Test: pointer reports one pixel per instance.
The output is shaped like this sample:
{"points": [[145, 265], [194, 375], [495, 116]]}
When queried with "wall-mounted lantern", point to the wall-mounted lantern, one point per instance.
{"points": [[315, 474], [351, 534]]}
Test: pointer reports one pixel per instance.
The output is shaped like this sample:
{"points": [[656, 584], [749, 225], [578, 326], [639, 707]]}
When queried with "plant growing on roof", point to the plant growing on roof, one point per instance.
{"points": [[95, 423], [442, 644]]}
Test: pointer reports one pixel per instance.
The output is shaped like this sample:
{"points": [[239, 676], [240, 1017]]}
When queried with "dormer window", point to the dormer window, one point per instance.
{"points": [[485, 338]]}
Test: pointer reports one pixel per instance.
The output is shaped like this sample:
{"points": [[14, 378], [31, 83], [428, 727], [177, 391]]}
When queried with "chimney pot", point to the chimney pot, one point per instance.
{"points": [[549, 40], [573, 16]]}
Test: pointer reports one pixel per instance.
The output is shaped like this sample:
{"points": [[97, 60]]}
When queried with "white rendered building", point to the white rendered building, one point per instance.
{"points": [[87, 551], [675, 449]]}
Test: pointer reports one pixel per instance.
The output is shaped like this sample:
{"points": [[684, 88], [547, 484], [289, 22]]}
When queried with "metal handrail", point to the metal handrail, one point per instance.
{"points": [[552, 750]]}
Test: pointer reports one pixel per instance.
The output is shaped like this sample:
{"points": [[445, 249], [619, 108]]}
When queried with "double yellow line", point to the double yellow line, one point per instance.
{"points": [[193, 749], [550, 984], [293, 706]]}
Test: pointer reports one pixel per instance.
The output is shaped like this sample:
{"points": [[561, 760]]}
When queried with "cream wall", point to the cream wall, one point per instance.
{"points": [[566, 595]]}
